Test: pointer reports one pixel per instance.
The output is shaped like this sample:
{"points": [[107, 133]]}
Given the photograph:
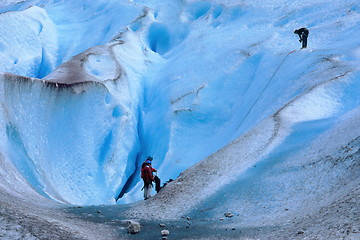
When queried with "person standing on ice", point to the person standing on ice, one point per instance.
{"points": [[303, 35], [147, 176]]}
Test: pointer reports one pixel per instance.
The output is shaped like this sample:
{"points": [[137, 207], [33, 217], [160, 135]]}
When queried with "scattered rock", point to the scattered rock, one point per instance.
{"points": [[232, 229], [165, 232], [134, 227], [188, 218], [229, 215], [221, 219], [300, 232], [162, 225]]}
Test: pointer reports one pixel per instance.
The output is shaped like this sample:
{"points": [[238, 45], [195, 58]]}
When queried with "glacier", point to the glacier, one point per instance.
{"points": [[217, 92]]}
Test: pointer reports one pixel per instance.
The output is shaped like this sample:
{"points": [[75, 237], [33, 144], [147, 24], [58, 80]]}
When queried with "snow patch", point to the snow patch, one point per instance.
{"points": [[319, 103]]}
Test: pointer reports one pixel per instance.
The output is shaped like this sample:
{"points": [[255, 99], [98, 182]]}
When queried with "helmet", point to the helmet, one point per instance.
{"points": [[148, 160]]}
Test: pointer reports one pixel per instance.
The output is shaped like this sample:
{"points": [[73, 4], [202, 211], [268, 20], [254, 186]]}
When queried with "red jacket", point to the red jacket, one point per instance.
{"points": [[147, 173]]}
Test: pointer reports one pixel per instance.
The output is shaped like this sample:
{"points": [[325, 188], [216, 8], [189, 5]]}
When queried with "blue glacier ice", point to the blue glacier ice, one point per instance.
{"points": [[89, 89]]}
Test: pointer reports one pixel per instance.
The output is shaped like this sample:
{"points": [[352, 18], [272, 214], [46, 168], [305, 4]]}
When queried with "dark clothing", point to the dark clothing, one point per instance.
{"points": [[148, 177], [157, 184], [303, 35]]}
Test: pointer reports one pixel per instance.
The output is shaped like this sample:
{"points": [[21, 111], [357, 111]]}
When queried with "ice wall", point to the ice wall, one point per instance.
{"points": [[28, 43], [74, 134], [176, 80], [39, 35]]}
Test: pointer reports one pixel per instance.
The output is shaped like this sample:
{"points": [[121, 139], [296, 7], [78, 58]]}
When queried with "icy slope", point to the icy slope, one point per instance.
{"points": [[176, 80], [212, 89], [299, 193]]}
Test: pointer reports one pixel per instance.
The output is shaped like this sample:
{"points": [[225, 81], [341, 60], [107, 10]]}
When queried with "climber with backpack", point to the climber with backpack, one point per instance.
{"points": [[148, 177], [303, 35]]}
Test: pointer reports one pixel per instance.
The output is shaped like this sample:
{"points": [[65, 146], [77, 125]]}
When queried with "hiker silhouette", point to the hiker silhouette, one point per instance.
{"points": [[303, 35]]}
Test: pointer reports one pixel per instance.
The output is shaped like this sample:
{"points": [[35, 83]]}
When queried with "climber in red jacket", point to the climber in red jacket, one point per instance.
{"points": [[147, 176]]}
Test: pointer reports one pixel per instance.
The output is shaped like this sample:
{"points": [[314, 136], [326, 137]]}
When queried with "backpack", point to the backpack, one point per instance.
{"points": [[146, 174]]}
